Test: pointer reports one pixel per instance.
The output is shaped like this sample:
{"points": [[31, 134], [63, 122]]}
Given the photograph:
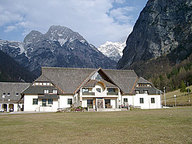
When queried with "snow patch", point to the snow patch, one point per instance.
{"points": [[22, 50], [62, 41], [113, 50], [82, 41], [60, 35]]}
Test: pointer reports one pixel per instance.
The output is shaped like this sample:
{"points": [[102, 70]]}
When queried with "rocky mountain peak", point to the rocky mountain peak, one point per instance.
{"points": [[62, 34], [32, 37], [60, 47], [113, 50]]}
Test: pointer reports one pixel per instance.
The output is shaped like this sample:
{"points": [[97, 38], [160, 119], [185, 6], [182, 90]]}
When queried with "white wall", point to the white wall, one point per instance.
{"points": [[135, 101], [113, 103], [63, 102], [28, 103], [84, 103]]}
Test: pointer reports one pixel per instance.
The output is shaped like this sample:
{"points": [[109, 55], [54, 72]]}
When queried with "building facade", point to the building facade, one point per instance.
{"points": [[95, 89], [10, 93]]}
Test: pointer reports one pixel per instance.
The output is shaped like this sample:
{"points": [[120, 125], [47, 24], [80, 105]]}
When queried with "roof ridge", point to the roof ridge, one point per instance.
{"points": [[14, 83], [119, 69], [134, 84], [70, 68]]}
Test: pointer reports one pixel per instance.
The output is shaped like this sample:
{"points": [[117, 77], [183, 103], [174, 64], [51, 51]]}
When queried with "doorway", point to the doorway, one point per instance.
{"points": [[100, 103]]}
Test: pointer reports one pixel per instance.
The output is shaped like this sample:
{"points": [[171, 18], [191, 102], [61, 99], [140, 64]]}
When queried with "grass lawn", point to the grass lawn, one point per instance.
{"points": [[172, 125]]}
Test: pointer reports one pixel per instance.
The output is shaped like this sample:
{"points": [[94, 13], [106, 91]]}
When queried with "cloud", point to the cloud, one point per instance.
{"points": [[96, 20], [121, 15], [9, 28]]}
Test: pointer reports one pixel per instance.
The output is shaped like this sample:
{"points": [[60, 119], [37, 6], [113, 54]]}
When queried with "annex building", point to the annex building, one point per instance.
{"points": [[10, 94], [96, 89]]}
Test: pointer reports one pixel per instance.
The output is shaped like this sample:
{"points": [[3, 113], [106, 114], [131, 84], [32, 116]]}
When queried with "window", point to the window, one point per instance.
{"points": [[141, 100], [46, 91], [17, 94], [8, 99], [44, 101], [145, 91], [90, 103], [137, 91], [8, 94], [44, 84], [98, 89], [108, 103], [125, 100], [35, 101], [69, 101], [50, 101], [55, 91], [85, 90], [111, 90], [36, 83], [152, 100]]}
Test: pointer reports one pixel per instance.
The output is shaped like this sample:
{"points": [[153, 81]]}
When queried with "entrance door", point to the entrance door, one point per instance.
{"points": [[5, 107], [99, 103], [11, 107]]}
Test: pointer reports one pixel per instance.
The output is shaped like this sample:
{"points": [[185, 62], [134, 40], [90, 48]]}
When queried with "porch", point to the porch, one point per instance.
{"points": [[100, 104]]}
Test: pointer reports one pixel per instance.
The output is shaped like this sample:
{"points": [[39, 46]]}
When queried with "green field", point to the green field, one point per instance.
{"points": [[140, 126], [181, 98]]}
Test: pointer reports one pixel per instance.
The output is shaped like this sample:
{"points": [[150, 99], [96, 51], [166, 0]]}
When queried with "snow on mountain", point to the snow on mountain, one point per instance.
{"points": [[60, 47], [113, 50]]}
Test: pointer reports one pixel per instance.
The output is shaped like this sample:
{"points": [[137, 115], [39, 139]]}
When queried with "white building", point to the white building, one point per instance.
{"points": [[95, 89], [10, 94]]}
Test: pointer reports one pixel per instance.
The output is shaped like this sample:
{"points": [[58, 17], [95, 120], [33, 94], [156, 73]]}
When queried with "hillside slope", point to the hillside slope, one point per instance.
{"points": [[10, 70]]}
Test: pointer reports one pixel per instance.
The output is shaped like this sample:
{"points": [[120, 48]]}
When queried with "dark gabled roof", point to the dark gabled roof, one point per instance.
{"points": [[42, 78], [151, 90], [124, 79], [39, 90], [66, 79], [92, 83], [69, 80], [12, 88], [142, 80]]}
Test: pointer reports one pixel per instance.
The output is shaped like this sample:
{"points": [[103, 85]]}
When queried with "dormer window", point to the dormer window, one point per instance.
{"points": [[54, 91], [46, 91], [8, 94], [137, 91], [145, 91], [3, 96], [85, 90], [17, 94]]}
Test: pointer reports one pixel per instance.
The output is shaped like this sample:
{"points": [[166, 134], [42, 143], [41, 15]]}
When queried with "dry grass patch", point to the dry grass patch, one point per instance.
{"points": [[141, 126]]}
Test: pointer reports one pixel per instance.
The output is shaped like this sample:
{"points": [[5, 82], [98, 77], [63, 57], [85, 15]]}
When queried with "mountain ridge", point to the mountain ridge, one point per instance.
{"points": [[59, 46]]}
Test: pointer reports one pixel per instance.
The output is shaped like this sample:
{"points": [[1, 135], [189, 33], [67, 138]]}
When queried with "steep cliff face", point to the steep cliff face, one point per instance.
{"points": [[164, 27]]}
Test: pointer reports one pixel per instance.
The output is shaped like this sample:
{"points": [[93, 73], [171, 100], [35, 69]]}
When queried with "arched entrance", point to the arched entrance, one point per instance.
{"points": [[11, 107], [5, 107]]}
